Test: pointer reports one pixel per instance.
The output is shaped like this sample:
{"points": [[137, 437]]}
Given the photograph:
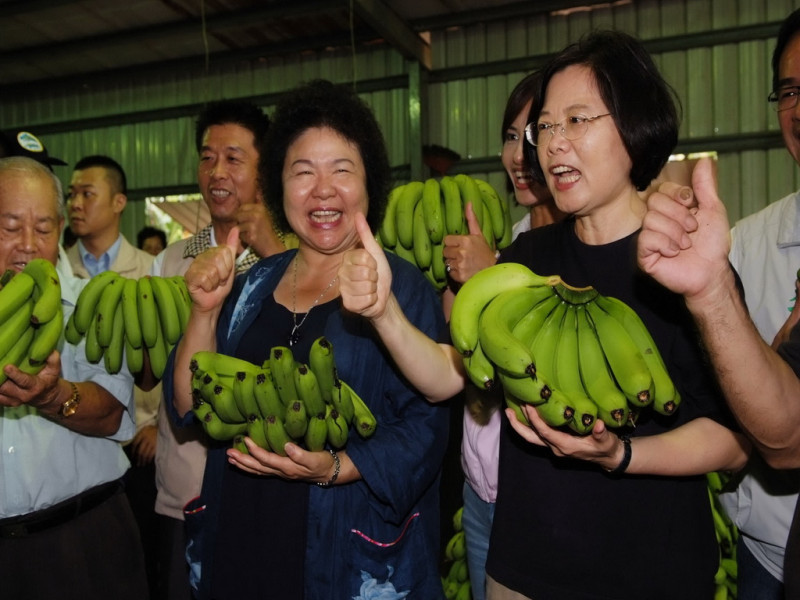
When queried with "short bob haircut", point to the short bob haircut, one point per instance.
{"points": [[320, 103], [644, 107]]}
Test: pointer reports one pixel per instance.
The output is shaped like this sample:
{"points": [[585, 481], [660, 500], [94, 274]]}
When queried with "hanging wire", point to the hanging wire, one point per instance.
{"points": [[353, 43]]}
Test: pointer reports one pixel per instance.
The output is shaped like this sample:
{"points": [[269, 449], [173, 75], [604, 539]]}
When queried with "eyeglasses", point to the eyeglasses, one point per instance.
{"points": [[785, 98], [571, 128]]}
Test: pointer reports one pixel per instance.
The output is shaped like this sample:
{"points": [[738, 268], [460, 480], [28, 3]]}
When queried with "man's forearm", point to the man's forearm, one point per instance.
{"points": [[760, 387]]}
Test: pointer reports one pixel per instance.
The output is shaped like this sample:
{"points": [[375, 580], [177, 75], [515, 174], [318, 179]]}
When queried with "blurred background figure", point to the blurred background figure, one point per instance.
{"points": [[151, 239]]}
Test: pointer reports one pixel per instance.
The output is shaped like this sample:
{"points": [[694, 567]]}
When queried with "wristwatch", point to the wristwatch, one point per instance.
{"points": [[70, 407]]}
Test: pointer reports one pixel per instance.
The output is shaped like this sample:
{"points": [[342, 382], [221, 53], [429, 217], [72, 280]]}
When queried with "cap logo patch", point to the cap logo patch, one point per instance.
{"points": [[29, 141]]}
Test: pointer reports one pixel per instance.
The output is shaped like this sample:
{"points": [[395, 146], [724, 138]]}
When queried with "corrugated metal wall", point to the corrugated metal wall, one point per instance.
{"points": [[147, 124]]}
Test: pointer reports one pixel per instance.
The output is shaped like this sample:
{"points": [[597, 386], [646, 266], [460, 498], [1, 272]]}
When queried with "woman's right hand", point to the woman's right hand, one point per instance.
{"points": [[210, 276], [365, 279]]}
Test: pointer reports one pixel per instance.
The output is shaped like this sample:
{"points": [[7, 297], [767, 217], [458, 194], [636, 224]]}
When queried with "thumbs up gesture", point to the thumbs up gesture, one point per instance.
{"points": [[685, 241], [365, 279], [210, 277], [465, 255]]}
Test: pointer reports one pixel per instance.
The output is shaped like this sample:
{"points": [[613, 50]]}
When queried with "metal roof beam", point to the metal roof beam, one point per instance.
{"points": [[394, 30]]}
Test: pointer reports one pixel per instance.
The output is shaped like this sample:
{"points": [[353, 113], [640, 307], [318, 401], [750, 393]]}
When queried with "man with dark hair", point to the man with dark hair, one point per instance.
{"points": [[229, 137], [95, 200], [66, 528], [685, 245], [151, 239]]}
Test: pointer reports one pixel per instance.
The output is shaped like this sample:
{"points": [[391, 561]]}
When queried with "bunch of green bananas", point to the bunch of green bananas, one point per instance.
{"points": [[727, 536], [420, 213], [31, 317], [124, 317], [280, 401], [456, 583], [573, 353]]}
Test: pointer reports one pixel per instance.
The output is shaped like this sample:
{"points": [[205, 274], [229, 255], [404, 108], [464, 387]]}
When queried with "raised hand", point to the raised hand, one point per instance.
{"points": [[210, 276], [365, 279], [465, 255], [684, 242], [256, 229]]}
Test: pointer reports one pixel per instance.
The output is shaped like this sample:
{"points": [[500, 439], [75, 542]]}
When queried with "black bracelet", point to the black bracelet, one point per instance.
{"points": [[336, 466], [626, 457]]}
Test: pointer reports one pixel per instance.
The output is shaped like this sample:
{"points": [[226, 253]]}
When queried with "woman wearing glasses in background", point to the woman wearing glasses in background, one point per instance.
{"points": [[617, 514]]}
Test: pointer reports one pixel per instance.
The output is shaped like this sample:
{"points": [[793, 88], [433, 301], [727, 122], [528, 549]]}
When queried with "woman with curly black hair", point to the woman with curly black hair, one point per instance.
{"points": [[332, 524]]}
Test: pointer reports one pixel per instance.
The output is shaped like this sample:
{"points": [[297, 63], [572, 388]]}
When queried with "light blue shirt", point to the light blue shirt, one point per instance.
{"points": [[43, 462], [99, 265]]}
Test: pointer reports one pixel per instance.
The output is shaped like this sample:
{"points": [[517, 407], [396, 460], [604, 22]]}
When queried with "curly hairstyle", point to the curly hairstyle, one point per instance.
{"points": [[321, 103], [644, 107]]}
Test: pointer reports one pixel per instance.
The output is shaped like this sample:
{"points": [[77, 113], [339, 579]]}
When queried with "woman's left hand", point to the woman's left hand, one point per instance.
{"points": [[601, 446], [298, 464]]}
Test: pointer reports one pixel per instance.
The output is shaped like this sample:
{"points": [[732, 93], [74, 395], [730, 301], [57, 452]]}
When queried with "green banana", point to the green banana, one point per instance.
{"points": [[93, 349], [244, 394], [433, 211], [308, 390], [516, 406], [130, 314], [267, 398], [486, 223], [183, 303], [388, 227], [469, 192], [545, 342], [342, 402], [167, 310], [114, 352], [558, 410], [158, 351], [406, 203], [476, 293], [529, 325], [454, 219], [623, 356], [14, 294], [421, 240], [222, 398], [45, 340], [364, 421], [567, 375], [479, 369], [276, 435], [88, 299], [665, 395], [222, 364], [531, 390], [464, 590], [16, 353], [438, 268], [48, 290], [256, 430], [15, 326], [405, 253], [296, 420], [612, 405], [316, 433], [495, 325], [215, 427], [238, 444], [134, 357], [71, 333], [337, 428], [322, 363], [282, 366], [508, 226], [458, 521], [146, 305], [495, 206], [107, 308]]}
